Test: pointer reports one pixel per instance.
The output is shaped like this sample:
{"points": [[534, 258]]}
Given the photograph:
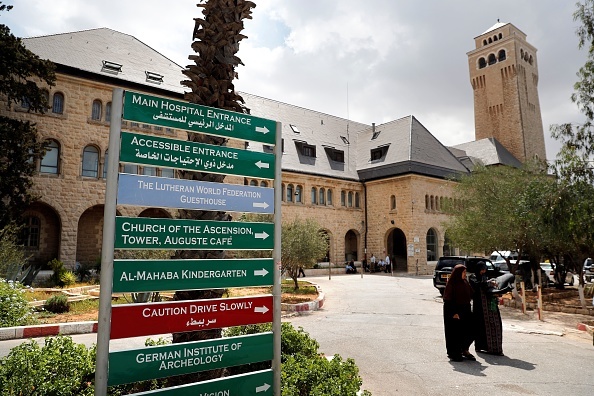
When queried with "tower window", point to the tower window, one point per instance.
{"points": [[502, 55], [492, 59], [482, 63]]}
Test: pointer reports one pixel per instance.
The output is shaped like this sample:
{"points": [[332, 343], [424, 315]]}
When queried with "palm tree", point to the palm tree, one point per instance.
{"points": [[216, 42]]}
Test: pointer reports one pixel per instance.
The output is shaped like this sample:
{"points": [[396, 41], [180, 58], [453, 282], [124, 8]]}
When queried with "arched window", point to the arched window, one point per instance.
{"points": [[314, 195], [484, 42], [30, 233], [263, 184], [495, 38], [322, 200], [299, 194], [490, 40], [432, 202], [90, 163], [356, 200], [284, 197], [289, 193], [500, 36], [342, 198], [108, 112], [530, 60], [431, 245], [253, 183], [427, 202], [58, 103], [482, 63], [51, 160], [502, 55], [96, 110], [329, 197], [492, 59], [393, 202], [350, 199]]}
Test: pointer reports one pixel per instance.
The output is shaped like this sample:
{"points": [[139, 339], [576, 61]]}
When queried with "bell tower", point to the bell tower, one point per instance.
{"points": [[504, 78]]}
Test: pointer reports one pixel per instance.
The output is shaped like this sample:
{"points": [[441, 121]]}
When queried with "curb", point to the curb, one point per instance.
{"points": [[308, 306], [587, 328], [11, 333]]}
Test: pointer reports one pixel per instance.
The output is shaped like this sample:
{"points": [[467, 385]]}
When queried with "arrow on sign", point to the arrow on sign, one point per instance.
{"points": [[261, 165], [261, 235], [262, 309], [263, 130], [263, 388], [261, 272], [263, 205]]}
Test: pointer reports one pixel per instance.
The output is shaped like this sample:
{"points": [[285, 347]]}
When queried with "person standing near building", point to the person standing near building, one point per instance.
{"points": [[388, 264], [372, 260], [457, 315], [488, 329]]}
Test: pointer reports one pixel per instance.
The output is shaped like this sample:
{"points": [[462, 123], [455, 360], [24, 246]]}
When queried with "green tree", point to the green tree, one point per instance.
{"points": [[302, 243], [20, 71], [216, 42], [503, 208]]}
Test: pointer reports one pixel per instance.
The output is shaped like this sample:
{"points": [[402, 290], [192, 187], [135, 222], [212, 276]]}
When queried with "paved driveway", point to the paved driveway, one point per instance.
{"points": [[393, 328]]}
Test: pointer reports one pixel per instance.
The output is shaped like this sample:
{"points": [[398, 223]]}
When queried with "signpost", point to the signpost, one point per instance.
{"points": [[154, 233], [192, 117], [189, 357], [191, 194], [257, 383], [160, 275], [133, 320], [186, 155]]}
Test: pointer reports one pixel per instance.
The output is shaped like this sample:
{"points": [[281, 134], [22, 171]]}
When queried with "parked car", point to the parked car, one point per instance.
{"points": [[550, 273], [589, 270], [446, 264]]}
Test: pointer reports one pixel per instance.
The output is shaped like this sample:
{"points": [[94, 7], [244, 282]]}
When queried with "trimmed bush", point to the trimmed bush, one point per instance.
{"points": [[60, 368], [67, 278], [57, 304], [14, 308]]}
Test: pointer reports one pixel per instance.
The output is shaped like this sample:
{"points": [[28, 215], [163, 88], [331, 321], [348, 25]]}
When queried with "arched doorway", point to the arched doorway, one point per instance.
{"points": [[156, 213], [396, 245], [351, 244], [90, 236]]}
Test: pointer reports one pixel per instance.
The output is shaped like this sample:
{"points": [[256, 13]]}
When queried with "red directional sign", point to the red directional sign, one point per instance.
{"points": [[134, 320]]}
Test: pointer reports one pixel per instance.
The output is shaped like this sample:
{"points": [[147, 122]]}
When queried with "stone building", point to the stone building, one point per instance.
{"points": [[373, 188]]}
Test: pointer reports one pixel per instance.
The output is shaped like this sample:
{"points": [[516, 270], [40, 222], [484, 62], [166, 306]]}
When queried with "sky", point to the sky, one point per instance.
{"points": [[370, 61]]}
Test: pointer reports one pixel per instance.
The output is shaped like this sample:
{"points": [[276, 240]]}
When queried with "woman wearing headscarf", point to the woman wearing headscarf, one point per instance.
{"points": [[488, 331], [457, 315]]}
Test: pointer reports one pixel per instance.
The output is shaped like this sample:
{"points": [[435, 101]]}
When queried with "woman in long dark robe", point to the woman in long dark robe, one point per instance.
{"points": [[488, 330], [457, 315]]}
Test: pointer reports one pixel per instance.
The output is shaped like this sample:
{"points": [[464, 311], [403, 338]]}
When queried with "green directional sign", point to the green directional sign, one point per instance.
{"points": [[180, 154], [190, 357], [192, 117], [149, 233], [159, 275], [257, 383]]}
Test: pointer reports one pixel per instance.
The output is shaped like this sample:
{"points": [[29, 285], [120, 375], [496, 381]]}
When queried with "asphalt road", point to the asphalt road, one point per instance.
{"points": [[393, 328]]}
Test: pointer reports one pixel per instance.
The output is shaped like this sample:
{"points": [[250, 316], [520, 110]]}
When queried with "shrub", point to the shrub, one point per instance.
{"points": [[14, 308], [67, 278], [58, 267], [60, 367], [57, 304]]}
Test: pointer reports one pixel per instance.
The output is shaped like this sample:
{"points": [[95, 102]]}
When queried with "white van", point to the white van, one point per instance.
{"points": [[498, 259]]}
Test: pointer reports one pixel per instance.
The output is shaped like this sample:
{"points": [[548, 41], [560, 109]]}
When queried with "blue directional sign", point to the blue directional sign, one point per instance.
{"points": [[193, 195]]}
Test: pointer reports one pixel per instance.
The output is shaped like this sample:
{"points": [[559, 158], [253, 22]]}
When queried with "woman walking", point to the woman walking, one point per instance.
{"points": [[457, 315], [488, 329]]}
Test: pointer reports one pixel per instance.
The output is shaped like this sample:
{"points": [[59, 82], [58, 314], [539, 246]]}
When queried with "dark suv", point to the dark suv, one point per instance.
{"points": [[446, 264]]}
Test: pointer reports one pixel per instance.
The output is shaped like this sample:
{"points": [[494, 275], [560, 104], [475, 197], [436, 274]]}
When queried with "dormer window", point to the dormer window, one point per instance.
{"points": [[111, 67], [334, 154], [294, 128], [379, 152], [308, 151], [153, 77], [375, 135], [345, 140]]}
